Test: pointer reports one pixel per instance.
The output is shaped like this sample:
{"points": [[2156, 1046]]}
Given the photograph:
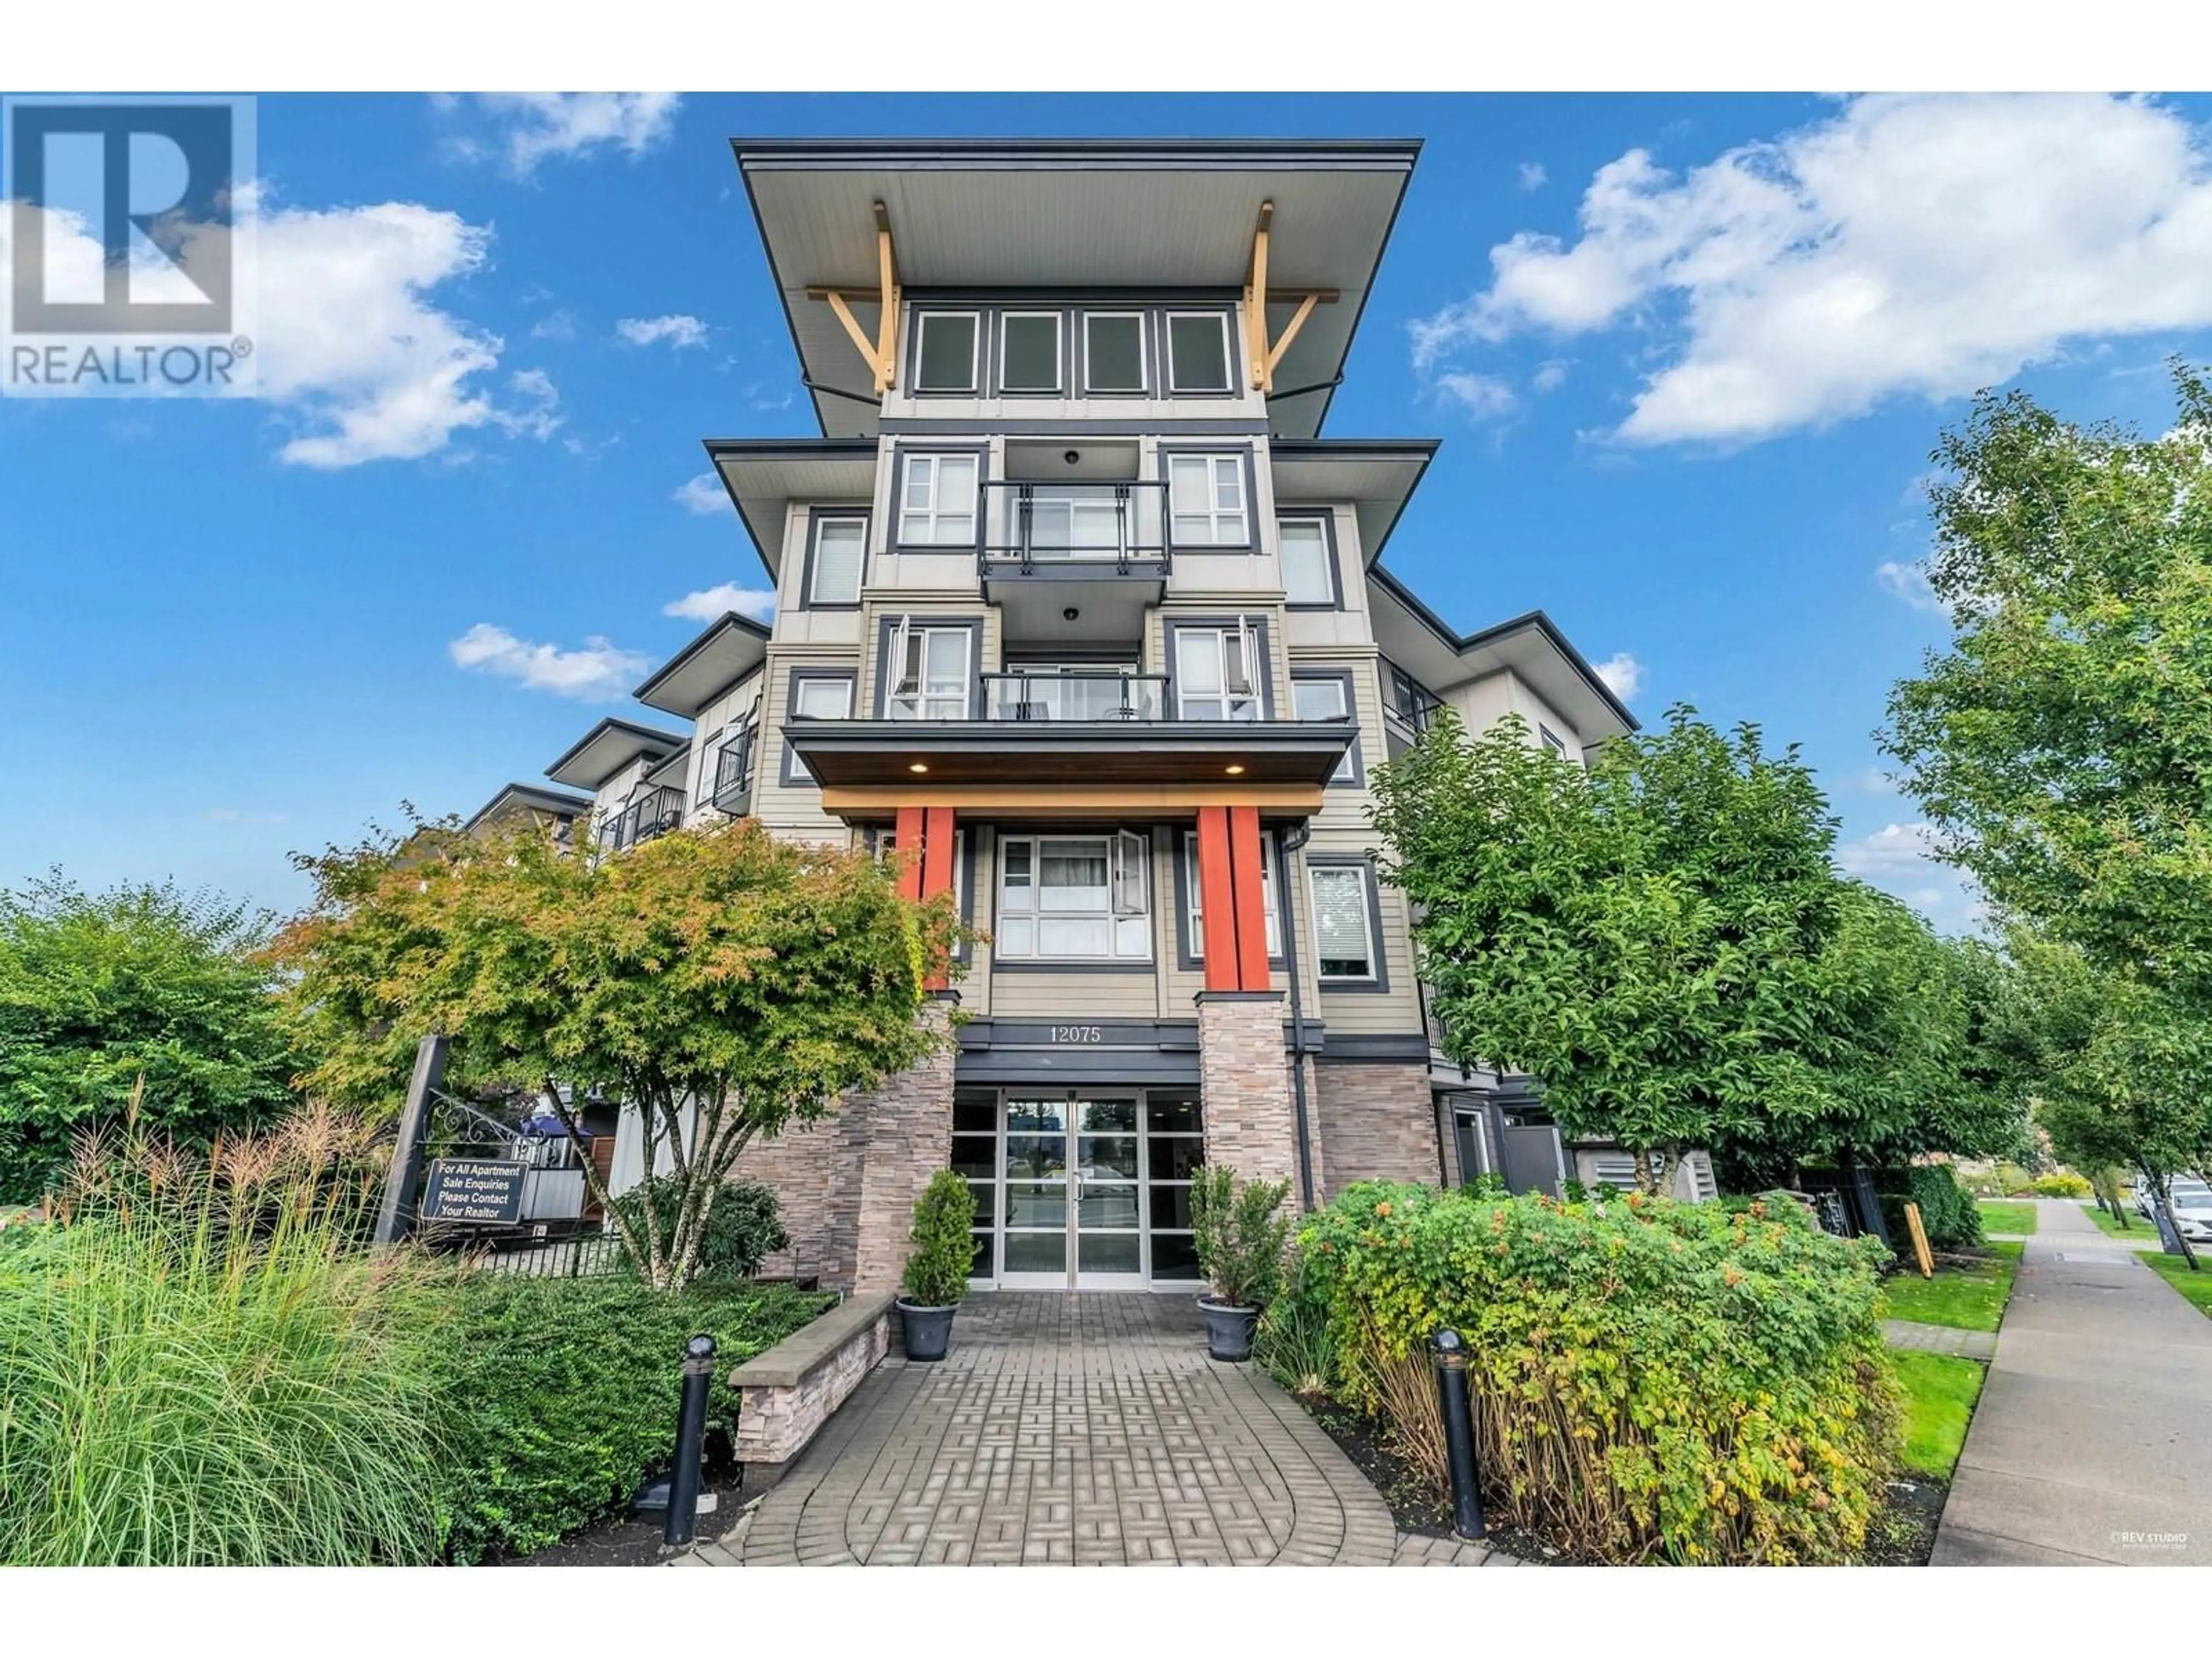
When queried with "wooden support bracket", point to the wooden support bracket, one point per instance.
{"points": [[881, 354]]}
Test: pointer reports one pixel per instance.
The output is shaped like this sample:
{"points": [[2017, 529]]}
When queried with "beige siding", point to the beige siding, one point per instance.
{"points": [[714, 721], [797, 807], [1482, 703]]}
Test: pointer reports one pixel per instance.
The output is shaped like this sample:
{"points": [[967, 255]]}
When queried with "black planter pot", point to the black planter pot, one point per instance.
{"points": [[1229, 1330], [929, 1330]]}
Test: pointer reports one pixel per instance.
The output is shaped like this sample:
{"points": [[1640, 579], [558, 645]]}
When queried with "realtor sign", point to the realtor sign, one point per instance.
{"points": [[482, 1192]]}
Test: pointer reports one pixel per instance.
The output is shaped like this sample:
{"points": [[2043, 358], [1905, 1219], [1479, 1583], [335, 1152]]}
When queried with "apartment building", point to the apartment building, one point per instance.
{"points": [[1075, 600]]}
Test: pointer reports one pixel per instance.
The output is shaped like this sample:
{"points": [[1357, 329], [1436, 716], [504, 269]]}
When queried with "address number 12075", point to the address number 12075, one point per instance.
{"points": [[1078, 1033]]}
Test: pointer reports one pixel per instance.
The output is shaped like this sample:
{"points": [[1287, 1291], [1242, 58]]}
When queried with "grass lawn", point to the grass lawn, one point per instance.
{"points": [[1967, 1298], [2000, 1218], [2196, 1287], [2137, 1227], [1940, 1393]]}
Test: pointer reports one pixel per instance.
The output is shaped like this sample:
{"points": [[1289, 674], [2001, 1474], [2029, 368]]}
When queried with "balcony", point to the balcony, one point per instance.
{"points": [[733, 775], [654, 812], [1096, 547], [1074, 695]]}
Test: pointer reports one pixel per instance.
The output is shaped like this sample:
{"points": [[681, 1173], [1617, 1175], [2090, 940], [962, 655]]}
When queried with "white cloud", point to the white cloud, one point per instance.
{"points": [[1483, 396], [536, 126], [1907, 245], [1623, 675], [554, 326], [702, 494], [1895, 852], [1876, 781], [596, 672], [678, 330], [1533, 176], [711, 603], [1908, 582], [1549, 377]]}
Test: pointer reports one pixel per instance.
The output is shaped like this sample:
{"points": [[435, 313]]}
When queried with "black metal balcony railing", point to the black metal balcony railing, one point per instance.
{"points": [[1075, 694], [1121, 524], [734, 775], [655, 812]]}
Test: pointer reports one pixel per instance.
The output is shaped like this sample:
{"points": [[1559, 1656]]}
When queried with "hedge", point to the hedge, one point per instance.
{"points": [[562, 1393], [1948, 1214], [1653, 1381]]}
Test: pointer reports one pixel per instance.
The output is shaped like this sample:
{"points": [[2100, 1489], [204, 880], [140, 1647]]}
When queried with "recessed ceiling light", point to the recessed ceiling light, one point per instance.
{"points": [[917, 766], [1235, 771]]}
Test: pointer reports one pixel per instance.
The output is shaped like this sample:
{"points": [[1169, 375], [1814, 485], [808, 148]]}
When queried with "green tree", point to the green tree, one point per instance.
{"points": [[97, 990], [721, 982], [2062, 745], [1646, 936]]}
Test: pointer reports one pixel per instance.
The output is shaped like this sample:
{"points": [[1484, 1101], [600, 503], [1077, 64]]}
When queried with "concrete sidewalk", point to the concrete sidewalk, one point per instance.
{"points": [[2092, 1441]]}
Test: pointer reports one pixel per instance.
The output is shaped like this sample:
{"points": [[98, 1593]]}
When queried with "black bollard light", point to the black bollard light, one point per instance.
{"points": [[1449, 1354], [690, 1439]]}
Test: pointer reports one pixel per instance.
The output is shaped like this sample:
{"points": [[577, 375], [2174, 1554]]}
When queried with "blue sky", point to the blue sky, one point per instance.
{"points": [[1688, 355]]}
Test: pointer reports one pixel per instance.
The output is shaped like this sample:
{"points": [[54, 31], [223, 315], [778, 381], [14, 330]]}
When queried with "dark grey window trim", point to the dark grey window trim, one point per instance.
{"points": [[1186, 882], [1349, 680], [785, 775], [1000, 837], [1365, 865], [887, 625], [1148, 350], [900, 453], [1326, 518], [1251, 542], [1065, 357], [979, 359], [816, 517], [1261, 632], [1551, 740], [1229, 332]]}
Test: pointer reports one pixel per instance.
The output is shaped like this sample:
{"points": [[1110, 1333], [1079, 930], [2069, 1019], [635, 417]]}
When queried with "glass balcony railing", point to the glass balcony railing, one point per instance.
{"points": [[1119, 524], [1075, 695]]}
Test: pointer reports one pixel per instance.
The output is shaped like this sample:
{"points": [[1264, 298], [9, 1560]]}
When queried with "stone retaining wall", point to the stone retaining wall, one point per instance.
{"points": [[790, 1391]]}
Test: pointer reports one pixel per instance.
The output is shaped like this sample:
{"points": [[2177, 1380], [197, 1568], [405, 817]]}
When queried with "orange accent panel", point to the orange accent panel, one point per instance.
{"points": [[1217, 898], [909, 834], [1251, 899], [937, 851]]}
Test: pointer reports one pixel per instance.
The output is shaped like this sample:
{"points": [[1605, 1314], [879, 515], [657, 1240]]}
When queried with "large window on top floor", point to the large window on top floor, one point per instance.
{"points": [[1114, 352], [947, 347], [1198, 352], [938, 499], [1074, 898], [1029, 353], [1208, 504]]}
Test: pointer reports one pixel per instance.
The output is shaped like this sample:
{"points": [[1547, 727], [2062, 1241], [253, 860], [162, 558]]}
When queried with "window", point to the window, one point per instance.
{"points": [[1194, 920], [1205, 500], [1198, 351], [1551, 740], [1343, 936], [1081, 898], [841, 547], [1113, 351], [1306, 577], [1407, 698], [726, 775], [815, 696], [1326, 697], [937, 507], [1214, 673], [884, 842], [1029, 351], [926, 672], [944, 351]]}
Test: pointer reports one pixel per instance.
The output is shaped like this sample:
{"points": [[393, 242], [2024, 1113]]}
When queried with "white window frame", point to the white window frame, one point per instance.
{"points": [[918, 701], [1144, 356], [975, 321], [1194, 921], [1358, 875], [858, 521], [1319, 524], [1229, 695], [1228, 355], [1347, 712], [796, 773], [933, 515], [885, 841], [1058, 388], [1128, 897], [1214, 515]]}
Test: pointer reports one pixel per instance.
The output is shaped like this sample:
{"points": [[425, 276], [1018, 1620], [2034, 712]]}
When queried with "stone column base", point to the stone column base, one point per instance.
{"points": [[1245, 1085]]}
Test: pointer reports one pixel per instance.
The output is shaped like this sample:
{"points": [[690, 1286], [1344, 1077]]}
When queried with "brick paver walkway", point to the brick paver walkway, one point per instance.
{"points": [[1079, 1430]]}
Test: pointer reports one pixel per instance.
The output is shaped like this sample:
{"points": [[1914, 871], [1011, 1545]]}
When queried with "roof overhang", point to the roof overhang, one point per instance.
{"points": [[1078, 213], [764, 476], [1377, 475], [929, 754], [529, 799], [607, 748], [725, 654], [1531, 646]]}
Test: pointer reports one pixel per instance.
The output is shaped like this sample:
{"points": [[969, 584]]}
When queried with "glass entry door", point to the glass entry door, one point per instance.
{"points": [[1074, 1197]]}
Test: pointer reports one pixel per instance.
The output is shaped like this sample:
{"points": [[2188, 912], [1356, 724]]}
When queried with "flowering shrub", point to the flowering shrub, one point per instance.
{"points": [[2063, 1184], [1652, 1380]]}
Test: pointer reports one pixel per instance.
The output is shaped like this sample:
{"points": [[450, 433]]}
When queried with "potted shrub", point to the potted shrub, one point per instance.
{"points": [[937, 1271], [1241, 1233]]}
